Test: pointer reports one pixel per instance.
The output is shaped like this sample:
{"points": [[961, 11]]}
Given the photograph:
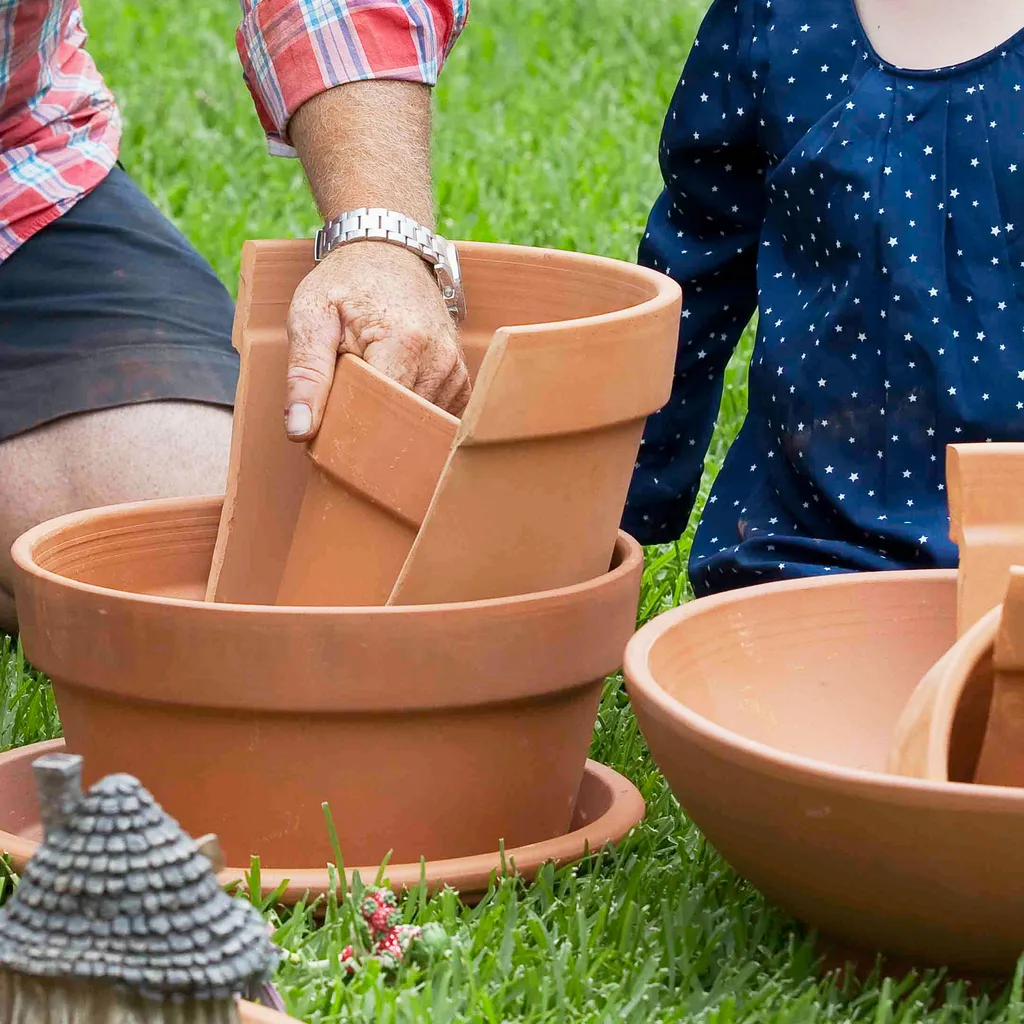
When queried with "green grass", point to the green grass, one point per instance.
{"points": [[547, 127]]}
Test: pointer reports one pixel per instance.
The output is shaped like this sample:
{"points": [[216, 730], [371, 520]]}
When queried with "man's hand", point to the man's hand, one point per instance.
{"points": [[368, 144], [383, 304]]}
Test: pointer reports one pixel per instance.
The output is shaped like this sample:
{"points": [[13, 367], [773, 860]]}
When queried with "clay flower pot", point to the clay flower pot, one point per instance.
{"points": [[569, 352], [770, 712], [434, 731]]}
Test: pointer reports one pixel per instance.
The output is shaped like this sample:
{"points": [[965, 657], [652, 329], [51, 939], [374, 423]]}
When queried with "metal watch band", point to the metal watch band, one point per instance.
{"points": [[383, 225]]}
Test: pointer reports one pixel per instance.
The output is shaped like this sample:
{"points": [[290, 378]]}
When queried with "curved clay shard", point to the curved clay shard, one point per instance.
{"points": [[378, 456], [267, 473], [1001, 762], [939, 734], [985, 483], [546, 448]]}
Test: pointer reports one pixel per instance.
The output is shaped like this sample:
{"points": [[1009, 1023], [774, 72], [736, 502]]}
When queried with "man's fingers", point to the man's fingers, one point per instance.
{"points": [[396, 360], [314, 335], [453, 395]]}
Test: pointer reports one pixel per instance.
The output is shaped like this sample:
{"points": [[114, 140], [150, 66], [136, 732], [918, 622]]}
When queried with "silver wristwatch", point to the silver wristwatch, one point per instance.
{"points": [[397, 229]]}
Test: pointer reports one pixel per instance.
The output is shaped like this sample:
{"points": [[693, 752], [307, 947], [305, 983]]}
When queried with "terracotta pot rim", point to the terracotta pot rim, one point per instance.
{"points": [[666, 290], [628, 552], [625, 810], [645, 690]]}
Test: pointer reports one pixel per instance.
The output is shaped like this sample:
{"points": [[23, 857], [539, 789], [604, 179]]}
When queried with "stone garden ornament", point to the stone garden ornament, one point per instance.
{"points": [[118, 918]]}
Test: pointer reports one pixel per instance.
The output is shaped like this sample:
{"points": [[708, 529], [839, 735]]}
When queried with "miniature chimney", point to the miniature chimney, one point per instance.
{"points": [[59, 782]]}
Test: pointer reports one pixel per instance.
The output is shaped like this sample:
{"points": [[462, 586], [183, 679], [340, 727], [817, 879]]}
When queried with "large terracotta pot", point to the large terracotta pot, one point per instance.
{"points": [[396, 502], [770, 712], [434, 731]]}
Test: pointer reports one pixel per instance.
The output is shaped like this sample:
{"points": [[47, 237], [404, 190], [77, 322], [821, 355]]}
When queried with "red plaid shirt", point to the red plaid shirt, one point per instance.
{"points": [[59, 125]]}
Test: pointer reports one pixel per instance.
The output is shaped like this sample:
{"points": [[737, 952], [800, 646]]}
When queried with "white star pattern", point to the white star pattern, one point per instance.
{"points": [[880, 208]]}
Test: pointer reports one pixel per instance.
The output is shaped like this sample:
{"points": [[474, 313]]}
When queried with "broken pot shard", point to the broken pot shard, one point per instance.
{"points": [[267, 473], [1001, 761], [546, 449], [986, 510], [378, 455], [941, 732]]}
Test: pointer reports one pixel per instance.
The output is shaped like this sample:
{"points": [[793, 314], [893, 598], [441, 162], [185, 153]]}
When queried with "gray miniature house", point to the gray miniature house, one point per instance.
{"points": [[118, 918]]}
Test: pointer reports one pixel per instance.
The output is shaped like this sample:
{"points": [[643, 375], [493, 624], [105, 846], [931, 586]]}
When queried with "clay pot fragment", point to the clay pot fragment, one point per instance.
{"points": [[940, 732], [961, 723], [985, 484], [1001, 758], [546, 448], [267, 473], [378, 457]]}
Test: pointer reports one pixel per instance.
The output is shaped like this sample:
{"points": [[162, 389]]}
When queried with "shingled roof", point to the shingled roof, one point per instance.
{"points": [[118, 892]]}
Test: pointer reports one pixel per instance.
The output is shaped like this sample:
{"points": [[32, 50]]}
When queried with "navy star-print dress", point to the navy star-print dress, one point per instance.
{"points": [[875, 218]]}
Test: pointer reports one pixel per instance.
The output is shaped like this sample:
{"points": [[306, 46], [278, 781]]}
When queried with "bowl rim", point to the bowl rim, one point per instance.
{"points": [[627, 550], [643, 689]]}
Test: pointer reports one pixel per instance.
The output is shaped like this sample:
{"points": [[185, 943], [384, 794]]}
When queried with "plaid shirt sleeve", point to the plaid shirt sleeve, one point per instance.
{"points": [[292, 50]]}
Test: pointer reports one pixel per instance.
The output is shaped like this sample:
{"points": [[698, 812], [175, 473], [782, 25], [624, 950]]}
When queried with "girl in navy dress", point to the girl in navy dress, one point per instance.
{"points": [[856, 173]]}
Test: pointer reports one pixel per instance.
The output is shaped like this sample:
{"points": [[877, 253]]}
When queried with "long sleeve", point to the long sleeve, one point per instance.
{"points": [[291, 50], [703, 232]]}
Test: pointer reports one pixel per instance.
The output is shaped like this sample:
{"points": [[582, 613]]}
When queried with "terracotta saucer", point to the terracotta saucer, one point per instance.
{"points": [[608, 806]]}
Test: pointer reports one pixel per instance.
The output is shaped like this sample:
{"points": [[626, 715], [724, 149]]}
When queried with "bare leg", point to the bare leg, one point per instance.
{"points": [[150, 450]]}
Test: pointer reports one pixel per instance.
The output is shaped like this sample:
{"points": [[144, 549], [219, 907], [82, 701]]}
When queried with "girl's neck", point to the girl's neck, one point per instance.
{"points": [[923, 34]]}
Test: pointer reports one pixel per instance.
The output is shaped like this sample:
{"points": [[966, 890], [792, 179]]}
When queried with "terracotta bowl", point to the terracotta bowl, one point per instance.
{"points": [[432, 731], [770, 711]]}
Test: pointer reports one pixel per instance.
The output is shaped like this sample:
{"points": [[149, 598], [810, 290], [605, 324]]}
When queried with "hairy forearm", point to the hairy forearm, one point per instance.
{"points": [[367, 144]]}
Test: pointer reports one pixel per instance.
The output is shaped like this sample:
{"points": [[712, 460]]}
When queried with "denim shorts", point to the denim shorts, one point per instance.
{"points": [[110, 305]]}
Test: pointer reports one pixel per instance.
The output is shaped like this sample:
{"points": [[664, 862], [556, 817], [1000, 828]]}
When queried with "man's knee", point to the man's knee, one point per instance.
{"points": [[165, 449]]}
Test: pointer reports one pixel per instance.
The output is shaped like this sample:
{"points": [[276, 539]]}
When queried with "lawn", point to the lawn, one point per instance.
{"points": [[546, 133]]}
